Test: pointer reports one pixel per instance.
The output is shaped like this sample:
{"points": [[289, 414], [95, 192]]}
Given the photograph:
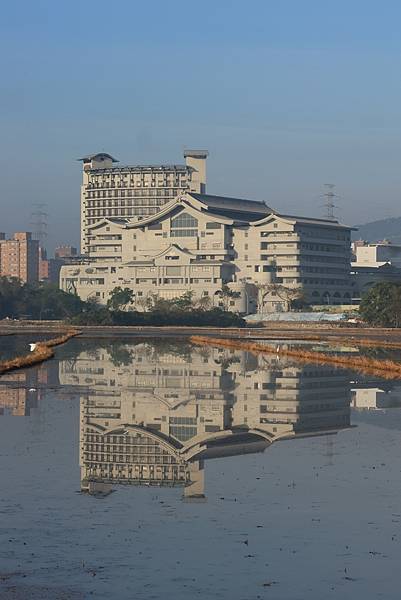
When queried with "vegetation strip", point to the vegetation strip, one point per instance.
{"points": [[43, 351], [387, 369]]}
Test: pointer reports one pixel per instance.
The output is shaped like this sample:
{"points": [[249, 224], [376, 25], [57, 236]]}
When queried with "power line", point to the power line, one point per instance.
{"points": [[329, 205], [39, 222]]}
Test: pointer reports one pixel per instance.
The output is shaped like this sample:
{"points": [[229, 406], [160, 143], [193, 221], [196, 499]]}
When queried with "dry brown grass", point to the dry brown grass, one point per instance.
{"points": [[387, 369], [42, 352]]}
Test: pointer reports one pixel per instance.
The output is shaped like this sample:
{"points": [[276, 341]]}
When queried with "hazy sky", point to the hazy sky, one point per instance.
{"points": [[286, 95]]}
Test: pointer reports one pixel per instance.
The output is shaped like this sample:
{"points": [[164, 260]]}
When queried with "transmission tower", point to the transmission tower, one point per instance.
{"points": [[39, 222], [329, 205]]}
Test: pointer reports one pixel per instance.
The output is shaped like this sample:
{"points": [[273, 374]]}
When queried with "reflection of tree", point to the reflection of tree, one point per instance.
{"points": [[179, 348], [120, 354]]}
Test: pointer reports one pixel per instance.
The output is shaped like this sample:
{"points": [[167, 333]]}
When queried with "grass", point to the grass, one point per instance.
{"points": [[43, 351], [387, 369]]}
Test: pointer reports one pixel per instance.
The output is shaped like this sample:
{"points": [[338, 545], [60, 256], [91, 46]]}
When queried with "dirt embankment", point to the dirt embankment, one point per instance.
{"points": [[42, 351]]}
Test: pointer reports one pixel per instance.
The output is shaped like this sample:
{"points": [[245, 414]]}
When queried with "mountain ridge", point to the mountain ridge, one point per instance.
{"points": [[382, 229]]}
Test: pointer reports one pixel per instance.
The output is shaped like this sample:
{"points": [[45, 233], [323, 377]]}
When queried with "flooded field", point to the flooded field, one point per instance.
{"points": [[13, 345], [158, 470]]}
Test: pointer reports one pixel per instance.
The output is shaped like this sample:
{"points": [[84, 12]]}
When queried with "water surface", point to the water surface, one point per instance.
{"points": [[161, 470]]}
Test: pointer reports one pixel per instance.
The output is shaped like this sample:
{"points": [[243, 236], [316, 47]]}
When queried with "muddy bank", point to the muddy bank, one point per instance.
{"points": [[327, 332], [42, 351]]}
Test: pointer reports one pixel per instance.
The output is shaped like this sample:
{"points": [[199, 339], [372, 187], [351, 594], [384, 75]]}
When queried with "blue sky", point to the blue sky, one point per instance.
{"points": [[286, 95]]}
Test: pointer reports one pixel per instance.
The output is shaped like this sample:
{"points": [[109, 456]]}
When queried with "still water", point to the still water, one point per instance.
{"points": [[158, 470]]}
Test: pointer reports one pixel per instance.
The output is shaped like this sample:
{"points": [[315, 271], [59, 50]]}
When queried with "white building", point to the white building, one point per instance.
{"points": [[199, 243], [110, 191], [376, 255]]}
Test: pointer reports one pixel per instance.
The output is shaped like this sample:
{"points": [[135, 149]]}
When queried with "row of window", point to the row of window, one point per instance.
{"points": [[136, 193]]}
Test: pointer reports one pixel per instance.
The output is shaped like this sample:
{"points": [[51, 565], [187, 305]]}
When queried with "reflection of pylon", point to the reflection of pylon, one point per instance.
{"points": [[39, 222], [329, 450]]}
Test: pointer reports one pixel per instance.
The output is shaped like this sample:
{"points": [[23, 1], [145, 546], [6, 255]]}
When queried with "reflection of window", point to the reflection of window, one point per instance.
{"points": [[184, 225]]}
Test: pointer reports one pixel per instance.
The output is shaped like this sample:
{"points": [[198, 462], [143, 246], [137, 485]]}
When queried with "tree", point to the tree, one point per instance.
{"points": [[183, 302], [381, 305], [226, 294], [204, 303], [289, 296], [120, 298]]}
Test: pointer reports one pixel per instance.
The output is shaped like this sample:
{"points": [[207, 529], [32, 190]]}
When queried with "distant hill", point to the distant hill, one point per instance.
{"points": [[389, 229]]}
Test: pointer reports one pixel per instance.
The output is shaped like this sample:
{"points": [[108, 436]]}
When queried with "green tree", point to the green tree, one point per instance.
{"points": [[226, 294], [184, 302], [381, 305], [120, 298]]}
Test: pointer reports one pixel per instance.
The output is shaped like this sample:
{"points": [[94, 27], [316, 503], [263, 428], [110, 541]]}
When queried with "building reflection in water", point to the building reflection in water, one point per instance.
{"points": [[152, 414], [20, 391]]}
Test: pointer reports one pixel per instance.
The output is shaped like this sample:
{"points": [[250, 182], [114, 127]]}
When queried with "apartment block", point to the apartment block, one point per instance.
{"points": [[19, 257], [200, 243], [110, 191]]}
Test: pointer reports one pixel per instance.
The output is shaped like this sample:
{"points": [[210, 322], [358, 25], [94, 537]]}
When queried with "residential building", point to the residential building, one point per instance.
{"points": [[65, 252], [110, 191], [374, 263], [200, 243], [376, 255], [19, 257]]}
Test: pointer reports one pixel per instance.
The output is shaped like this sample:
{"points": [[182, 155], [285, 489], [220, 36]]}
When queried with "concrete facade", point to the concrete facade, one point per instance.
{"points": [[19, 257], [374, 263], [110, 191], [200, 243]]}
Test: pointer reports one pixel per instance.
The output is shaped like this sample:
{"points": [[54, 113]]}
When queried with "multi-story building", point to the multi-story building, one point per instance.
{"points": [[152, 414], [199, 243], [49, 268], [376, 255], [19, 257], [374, 263], [65, 252], [110, 191]]}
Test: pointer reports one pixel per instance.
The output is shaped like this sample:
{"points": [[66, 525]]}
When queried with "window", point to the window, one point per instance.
{"points": [[184, 225], [212, 225]]}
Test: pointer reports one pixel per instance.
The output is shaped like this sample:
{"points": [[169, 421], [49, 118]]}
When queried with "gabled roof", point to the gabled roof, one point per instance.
{"points": [[293, 220], [104, 221], [186, 201], [233, 207]]}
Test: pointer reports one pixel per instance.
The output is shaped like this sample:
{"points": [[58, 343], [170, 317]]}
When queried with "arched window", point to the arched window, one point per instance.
{"points": [[184, 225]]}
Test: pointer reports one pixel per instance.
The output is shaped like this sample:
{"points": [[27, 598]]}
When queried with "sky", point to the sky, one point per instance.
{"points": [[286, 95]]}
